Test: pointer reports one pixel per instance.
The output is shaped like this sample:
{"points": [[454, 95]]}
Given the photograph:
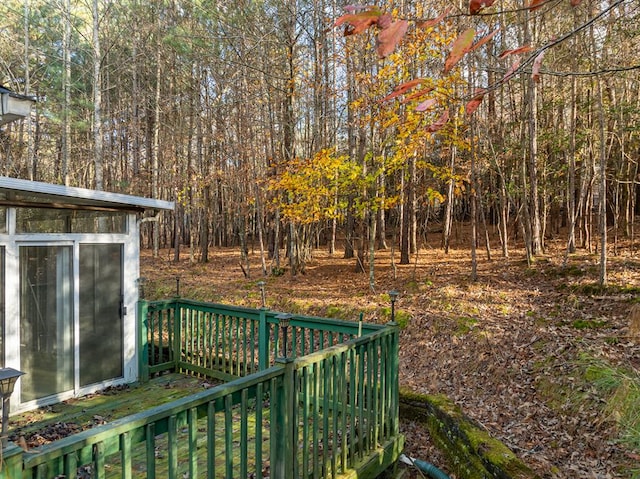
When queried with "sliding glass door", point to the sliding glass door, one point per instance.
{"points": [[47, 341], [3, 312], [101, 327], [46, 320]]}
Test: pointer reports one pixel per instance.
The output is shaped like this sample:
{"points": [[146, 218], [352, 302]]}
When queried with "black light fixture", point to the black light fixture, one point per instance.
{"points": [[262, 295], [393, 294], [283, 323], [8, 378], [14, 106]]}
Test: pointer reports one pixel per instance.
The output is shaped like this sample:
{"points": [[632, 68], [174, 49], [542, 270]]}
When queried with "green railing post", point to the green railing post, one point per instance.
{"points": [[177, 335], [11, 462], [283, 426], [143, 340], [394, 409], [263, 340]]}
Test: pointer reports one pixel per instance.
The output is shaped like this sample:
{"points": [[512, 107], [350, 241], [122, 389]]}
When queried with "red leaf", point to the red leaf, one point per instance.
{"points": [[390, 37], [537, 63], [514, 51], [433, 21], [461, 45], [484, 39], [420, 93], [511, 71], [425, 105], [476, 5], [475, 102], [403, 88], [535, 4], [575, 3], [358, 22], [385, 20], [439, 123]]}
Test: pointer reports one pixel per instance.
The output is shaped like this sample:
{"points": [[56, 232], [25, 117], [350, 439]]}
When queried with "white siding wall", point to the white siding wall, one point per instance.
{"points": [[131, 273]]}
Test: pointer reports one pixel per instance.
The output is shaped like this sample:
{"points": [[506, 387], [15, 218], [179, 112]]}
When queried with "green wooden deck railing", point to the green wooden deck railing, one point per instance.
{"points": [[329, 409]]}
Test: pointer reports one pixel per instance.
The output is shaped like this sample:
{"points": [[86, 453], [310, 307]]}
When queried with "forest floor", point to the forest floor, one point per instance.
{"points": [[539, 355]]}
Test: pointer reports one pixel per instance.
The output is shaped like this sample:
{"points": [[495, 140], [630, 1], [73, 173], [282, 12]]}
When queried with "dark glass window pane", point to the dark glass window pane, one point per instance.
{"points": [[101, 328], [43, 220], [2, 307], [46, 321]]}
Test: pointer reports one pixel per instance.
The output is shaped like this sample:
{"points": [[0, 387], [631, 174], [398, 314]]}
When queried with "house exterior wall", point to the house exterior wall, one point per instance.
{"points": [[11, 242]]}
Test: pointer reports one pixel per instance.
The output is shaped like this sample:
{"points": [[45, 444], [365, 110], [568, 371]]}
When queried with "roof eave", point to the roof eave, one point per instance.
{"points": [[93, 197]]}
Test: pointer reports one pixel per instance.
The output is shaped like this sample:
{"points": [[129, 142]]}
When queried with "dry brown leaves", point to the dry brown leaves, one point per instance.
{"points": [[506, 347]]}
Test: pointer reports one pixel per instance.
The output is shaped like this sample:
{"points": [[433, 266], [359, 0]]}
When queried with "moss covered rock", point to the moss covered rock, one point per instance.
{"points": [[471, 452]]}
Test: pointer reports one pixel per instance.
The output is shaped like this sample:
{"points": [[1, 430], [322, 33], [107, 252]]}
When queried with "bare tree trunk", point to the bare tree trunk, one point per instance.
{"points": [[381, 229], [524, 214], [504, 215], [66, 87], [571, 184], [276, 240], [448, 213], [407, 200], [487, 240], [31, 156], [97, 100], [534, 199], [177, 231], [602, 186], [635, 200], [532, 158], [474, 209], [155, 168], [413, 246], [244, 249], [372, 249], [260, 228], [334, 225], [204, 225]]}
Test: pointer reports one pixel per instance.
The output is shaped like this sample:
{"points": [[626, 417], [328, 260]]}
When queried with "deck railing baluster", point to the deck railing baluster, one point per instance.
{"points": [[244, 433], [125, 455], [375, 391], [192, 420], [317, 414], [305, 406], [258, 429], [236, 349], [326, 376], [352, 394], [41, 471], [228, 436], [344, 401], [316, 422], [172, 447], [150, 442], [211, 440], [71, 464], [334, 415], [98, 460]]}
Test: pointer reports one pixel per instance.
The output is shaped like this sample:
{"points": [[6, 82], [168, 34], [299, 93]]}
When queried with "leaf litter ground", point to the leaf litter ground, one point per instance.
{"points": [[510, 348]]}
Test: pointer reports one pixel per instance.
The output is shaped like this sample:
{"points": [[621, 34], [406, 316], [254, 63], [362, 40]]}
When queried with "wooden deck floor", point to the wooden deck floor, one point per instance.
{"points": [[39, 427], [51, 423]]}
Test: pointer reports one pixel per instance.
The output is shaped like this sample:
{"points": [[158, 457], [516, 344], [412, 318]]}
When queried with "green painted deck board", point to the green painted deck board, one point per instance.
{"points": [[114, 404], [107, 405]]}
